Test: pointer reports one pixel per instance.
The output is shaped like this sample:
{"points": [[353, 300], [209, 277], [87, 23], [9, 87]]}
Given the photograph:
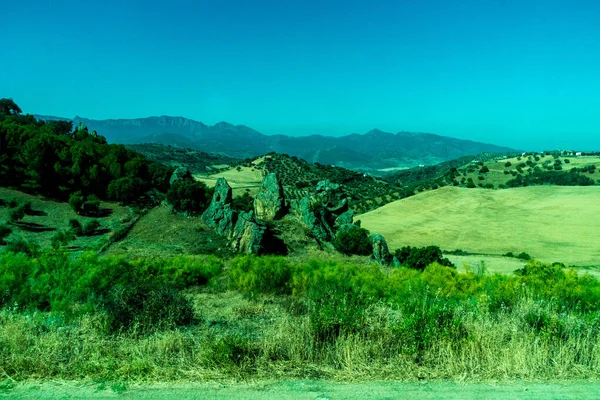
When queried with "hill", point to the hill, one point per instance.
{"points": [[550, 223], [299, 176], [196, 161], [374, 152]]}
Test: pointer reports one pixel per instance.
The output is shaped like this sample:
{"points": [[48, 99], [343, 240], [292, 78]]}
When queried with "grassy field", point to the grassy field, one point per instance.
{"points": [[496, 175], [548, 222], [55, 216], [242, 180]]}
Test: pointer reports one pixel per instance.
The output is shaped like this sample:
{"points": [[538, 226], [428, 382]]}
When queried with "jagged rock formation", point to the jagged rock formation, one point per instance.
{"points": [[344, 218], [180, 174], [248, 234], [381, 252], [315, 225], [332, 196], [325, 215], [219, 214], [269, 203]]}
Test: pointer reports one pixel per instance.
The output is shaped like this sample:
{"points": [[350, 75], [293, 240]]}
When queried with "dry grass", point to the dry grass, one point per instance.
{"points": [[245, 178], [550, 223], [41, 346]]}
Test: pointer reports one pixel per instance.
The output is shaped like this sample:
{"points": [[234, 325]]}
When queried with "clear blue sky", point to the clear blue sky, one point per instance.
{"points": [[524, 73]]}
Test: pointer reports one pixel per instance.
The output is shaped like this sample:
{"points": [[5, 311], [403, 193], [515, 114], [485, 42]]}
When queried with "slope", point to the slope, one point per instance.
{"points": [[549, 222]]}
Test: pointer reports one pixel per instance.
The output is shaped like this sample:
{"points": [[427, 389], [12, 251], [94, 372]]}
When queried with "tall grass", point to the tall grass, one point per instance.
{"points": [[278, 319]]}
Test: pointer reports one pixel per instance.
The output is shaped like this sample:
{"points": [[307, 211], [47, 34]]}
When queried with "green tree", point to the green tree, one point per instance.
{"points": [[353, 240], [9, 107]]}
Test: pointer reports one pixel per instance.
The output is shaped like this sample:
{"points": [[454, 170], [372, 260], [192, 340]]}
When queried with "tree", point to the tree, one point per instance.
{"points": [[9, 107], [420, 258], [353, 240]]}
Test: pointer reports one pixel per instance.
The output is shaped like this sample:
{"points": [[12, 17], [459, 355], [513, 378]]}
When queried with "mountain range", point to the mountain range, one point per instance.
{"points": [[370, 152]]}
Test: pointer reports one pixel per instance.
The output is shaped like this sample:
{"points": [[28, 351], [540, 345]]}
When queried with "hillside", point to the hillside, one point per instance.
{"points": [[196, 161], [374, 152], [550, 223], [299, 176]]}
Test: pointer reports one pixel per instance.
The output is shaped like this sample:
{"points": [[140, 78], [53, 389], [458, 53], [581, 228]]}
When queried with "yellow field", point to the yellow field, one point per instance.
{"points": [[246, 178], [551, 223]]}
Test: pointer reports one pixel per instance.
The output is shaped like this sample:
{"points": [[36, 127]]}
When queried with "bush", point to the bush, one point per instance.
{"points": [[188, 196], [90, 227], [244, 202], [145, 307], [20, 245], [5, 231], [261, 275], [16, 214], [76, 202], [524, 256], [420, 258], [353, 240], [484, 169], [76, 227], [62, 238]]}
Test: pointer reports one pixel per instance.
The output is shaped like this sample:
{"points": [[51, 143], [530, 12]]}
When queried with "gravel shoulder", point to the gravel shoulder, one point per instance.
{"points": [[313, 390]]}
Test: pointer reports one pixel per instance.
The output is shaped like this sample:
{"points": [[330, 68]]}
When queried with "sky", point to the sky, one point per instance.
{"points": [[522, 73]]}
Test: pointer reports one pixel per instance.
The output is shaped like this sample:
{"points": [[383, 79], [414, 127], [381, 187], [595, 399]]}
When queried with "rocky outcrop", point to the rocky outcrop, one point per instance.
{"points": [[180, 174], [381, 253], [332, 196], [344, 218], [248, 234], [269, 203], [219, 214], [314, 220]]}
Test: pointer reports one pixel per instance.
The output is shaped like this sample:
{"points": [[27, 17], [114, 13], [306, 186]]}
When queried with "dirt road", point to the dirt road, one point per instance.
{"points": [[314, 390]]}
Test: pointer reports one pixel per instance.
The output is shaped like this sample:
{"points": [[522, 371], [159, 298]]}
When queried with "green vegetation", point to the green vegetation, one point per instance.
{"points": [[182, 318], [52, 159], [497, 221], [419, 258], [190, 197], [353, 240]]}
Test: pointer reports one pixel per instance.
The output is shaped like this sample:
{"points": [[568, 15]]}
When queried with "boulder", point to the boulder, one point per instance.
{"points": [[180, 174], [248, 234], [269, 203], [381, 253], [311, 221], [332, 196], [219, 214], [344, 218]]}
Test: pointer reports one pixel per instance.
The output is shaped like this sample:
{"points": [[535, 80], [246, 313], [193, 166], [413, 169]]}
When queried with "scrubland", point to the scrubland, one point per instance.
{"points": [[203, 318]]}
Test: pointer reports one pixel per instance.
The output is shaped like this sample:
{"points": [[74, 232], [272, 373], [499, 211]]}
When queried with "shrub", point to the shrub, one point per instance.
{"points": [[420, 258], [353, 240], [90, 227], [146, 307], [20, 245], [62, 238], [76, 202], [484, 169], [188, 196], [244, 202], [524, 256], [5, 231], [76, 227], [261, 275], [91, 205], [16, 214]]}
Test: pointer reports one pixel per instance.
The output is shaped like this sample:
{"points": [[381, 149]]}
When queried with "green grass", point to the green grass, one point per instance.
{"points": [[321, 319], [553, 224]]}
